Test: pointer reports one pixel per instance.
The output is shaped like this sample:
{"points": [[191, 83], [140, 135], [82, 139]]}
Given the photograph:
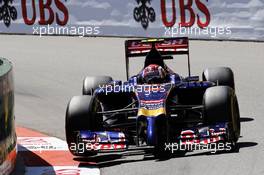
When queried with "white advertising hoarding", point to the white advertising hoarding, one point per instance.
{"points": [[206, 19]]}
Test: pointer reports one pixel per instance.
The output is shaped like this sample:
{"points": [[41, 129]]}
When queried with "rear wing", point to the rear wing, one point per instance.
{"points": [[166, 47]]}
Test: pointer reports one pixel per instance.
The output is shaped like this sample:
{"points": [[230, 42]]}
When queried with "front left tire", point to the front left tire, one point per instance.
{"points": [[221, 105]]}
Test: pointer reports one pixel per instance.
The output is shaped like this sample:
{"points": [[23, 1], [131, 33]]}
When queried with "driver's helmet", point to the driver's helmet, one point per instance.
{"points": [[153, 74]]}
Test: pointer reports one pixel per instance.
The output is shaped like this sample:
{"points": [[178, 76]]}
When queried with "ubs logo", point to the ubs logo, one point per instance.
{"points": [[184, 13], [7, 12], [49, 12], [143, 13]]}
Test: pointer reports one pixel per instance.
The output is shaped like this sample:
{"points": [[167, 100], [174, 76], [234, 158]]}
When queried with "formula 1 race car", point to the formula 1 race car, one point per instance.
{"points": [[156, 108]]}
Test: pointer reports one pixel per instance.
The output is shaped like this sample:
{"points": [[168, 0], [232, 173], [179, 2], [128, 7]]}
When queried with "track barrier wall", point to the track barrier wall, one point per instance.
{"points": [[197, 19], [8, 139]]}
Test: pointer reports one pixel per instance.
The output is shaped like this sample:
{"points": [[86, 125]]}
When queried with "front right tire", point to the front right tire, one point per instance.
{"points": [[81, 115]]}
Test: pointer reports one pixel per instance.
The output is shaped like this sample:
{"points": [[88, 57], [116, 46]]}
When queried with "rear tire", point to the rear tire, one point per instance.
{"points": [[80, 115], [222, 76], [91, 83], [220, 105]]}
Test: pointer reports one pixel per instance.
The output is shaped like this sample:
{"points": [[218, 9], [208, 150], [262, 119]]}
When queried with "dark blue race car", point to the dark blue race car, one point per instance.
{"points": [[157, 108]]}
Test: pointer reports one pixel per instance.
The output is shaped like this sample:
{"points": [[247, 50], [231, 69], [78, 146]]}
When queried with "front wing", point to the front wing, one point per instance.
{"points": [[109, 141]]}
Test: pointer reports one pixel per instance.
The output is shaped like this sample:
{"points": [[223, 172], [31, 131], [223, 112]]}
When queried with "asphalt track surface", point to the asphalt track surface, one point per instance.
{"points": [[49, 71]]}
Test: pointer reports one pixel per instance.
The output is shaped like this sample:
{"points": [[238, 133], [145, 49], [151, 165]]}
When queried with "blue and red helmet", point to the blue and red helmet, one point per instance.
{"points": [[153, 73]]}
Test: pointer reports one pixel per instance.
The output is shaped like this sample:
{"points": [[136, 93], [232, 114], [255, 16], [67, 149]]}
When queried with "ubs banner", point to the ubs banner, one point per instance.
{"points": [[207, 19]]}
